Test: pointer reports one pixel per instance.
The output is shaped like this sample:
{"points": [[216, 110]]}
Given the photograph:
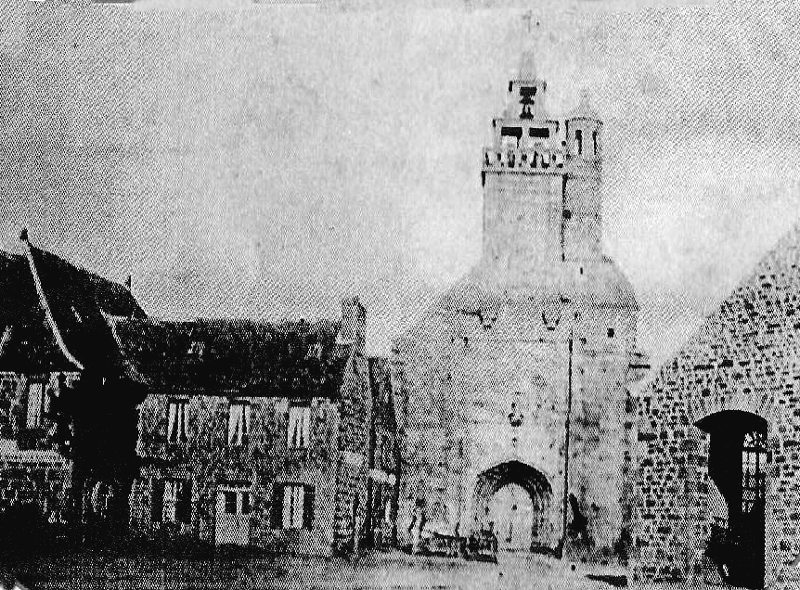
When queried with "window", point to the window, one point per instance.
{"points": [[171, 501], [579, 141], [293, 506], [754, 458], [230, 502], [299, 427], [610, 332], [235, 501], [594, 142], [176, 428], [542, 132], [37, 405], [238, 423]]}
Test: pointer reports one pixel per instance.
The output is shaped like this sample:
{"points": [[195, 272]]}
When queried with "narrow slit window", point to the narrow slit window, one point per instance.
{"points": [[579, 141]]}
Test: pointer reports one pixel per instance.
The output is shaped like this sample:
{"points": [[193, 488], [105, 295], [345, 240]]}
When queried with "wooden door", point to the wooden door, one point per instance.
{"points": [[233, 516]]}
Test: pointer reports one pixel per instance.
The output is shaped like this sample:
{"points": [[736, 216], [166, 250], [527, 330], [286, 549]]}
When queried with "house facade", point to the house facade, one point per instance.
{"points": [[269, 435], [281, 436], [49, 311], [718, 439]]}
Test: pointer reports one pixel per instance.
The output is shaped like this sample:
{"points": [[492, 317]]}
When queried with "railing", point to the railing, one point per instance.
{"points": [[524, 159]]}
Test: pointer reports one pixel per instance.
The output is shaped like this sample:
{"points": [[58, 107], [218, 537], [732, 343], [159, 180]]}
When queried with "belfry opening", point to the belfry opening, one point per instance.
{"points": [[737, 467], [512, 501]]}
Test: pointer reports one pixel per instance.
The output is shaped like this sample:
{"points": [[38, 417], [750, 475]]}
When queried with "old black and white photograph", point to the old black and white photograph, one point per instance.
{"points": [[382, 295]]}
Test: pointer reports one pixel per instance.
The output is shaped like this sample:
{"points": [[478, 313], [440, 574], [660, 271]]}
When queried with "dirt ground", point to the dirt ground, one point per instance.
{"points": [[396, 571]]}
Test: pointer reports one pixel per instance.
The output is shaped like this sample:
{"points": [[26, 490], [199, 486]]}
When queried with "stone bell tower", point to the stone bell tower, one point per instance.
{"points": [[517, 377], [542, 184]]}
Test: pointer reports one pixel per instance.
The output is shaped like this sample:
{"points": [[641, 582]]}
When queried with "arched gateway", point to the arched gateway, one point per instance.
{"points": [[513, 499]]}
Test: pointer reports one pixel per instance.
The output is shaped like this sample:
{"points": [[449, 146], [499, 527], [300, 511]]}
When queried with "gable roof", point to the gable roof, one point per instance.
{"points": [[749, 342], [242, 357], [55, 316], [51, 313], [74, 302]]}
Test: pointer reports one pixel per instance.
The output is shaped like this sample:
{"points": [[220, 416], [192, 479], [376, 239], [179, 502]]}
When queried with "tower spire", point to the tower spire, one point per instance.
{"points": [[527, 62]]}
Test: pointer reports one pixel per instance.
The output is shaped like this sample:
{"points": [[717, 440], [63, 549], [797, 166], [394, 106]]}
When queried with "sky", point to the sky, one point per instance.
{"points": [[267, 160]]}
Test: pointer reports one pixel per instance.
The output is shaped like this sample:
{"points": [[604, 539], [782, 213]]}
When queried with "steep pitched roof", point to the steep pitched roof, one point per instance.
{"points": [[751, 340], [74, 302], [248, 358], [26, 341], [52, 314]]}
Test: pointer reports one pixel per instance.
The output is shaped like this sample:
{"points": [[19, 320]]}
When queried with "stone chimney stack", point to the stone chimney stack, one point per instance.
{"points": [[354, 322]]}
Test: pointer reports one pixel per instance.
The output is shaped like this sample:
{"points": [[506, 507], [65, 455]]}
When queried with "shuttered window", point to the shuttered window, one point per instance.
{"points": [[308, 507], [292, 506], [183, 507], [299, 427], [176, 501], [176, 426], [157, 500]]}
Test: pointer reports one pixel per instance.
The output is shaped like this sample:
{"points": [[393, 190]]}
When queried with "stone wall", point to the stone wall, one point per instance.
{"points": [[13, 407], [744, 357], [344, 445], [209, 461], [34, 477], [465, 379]]}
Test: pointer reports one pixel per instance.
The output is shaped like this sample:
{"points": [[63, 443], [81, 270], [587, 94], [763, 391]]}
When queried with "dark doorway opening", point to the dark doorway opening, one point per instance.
{"points": [[737, 466]]}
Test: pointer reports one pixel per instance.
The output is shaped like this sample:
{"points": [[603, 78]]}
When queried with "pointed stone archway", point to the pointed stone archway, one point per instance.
{"points": [[737, 467], [514, 499]]}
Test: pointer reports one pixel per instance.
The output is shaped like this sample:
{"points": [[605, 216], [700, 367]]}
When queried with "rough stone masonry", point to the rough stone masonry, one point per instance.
{"points": [[721, 420]]}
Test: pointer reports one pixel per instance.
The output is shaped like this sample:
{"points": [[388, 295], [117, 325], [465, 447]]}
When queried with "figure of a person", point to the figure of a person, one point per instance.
{"points": [[417, 524]]}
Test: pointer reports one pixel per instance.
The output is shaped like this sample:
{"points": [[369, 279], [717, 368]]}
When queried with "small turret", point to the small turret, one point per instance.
{"points": [[583, 128]]}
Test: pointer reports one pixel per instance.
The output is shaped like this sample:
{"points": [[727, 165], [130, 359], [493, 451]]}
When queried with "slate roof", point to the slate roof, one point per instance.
{"points": [[75, 303], [55, 316], [51, 313], [231, 356]]}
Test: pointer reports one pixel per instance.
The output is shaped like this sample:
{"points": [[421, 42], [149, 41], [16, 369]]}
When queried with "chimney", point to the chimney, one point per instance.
{"points": [[354, 322]]}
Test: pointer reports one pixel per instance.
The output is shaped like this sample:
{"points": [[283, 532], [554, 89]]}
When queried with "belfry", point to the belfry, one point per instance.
{"points": [[520, 417]]}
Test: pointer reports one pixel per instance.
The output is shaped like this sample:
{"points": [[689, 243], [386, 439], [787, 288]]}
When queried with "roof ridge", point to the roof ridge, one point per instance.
{"points": [[697, 337], [48, 312]]}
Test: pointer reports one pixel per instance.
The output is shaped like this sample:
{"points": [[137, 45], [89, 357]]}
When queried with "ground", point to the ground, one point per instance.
{"points": [[396, 571]]}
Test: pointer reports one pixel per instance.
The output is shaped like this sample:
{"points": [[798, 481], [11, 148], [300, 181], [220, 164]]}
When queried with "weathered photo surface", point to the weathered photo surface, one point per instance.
{"points": [[448, 295]]}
